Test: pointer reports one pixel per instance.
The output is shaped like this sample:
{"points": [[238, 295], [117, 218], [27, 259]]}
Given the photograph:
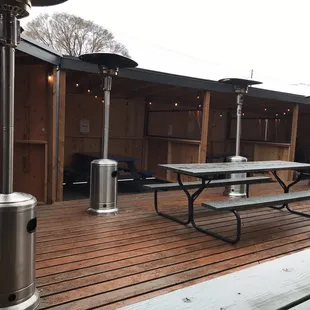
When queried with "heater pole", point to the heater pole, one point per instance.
{"points": [[7, 111], [107, 92], [238, 131]]}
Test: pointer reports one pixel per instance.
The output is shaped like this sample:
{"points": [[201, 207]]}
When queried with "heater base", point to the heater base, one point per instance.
{"points": [[236, 191], [107, 210], [31, 303]]}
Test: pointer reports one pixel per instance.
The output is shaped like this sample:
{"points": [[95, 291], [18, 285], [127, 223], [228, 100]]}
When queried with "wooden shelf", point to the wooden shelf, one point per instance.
{"points": [[30, 142], [176, 140]]}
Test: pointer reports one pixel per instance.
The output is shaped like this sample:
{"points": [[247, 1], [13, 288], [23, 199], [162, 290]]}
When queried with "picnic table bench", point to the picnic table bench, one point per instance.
{"points": [[282, 283], [206, 173], [79, 169]]}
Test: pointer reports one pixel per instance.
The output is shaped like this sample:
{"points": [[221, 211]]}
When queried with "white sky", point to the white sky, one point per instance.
{"points": [[209, 39]]}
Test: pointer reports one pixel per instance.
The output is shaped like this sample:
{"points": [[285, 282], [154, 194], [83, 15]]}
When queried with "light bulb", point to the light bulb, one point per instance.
{"points": [[96, 97], [50, 77], [102, 101], [277, 114], [89, 90], [150, 103], [265, 109], [242, 114], [221, 115], [176, 104], [77, 84], [284, 113], [288, 110]]}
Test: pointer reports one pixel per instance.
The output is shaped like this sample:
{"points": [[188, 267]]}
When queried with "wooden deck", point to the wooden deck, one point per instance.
{"points": [[88, 262]]}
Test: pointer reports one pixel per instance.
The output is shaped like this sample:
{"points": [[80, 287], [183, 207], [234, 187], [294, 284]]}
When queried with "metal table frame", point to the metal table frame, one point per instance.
{"points": [[206, 178]]}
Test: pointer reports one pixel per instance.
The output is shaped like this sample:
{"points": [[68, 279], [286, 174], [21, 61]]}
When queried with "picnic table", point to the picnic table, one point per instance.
{"points": [[80, 168], [207, 172]]}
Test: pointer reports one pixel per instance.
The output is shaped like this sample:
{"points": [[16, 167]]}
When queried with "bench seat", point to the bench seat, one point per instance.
{"points": [[250, 203], [213, 183], [258, 202]]}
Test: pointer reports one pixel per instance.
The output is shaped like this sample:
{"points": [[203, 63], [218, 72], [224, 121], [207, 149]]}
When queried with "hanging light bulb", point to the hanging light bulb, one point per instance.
{"points": [[50, 77], [221, 115], [242, 114], [96, 97], [288, 110], [277, 114], [77, 84], [199, 106], [150, 102], [88, 90], [102, 101], [284, 113], [265, 109], [176, 104]]}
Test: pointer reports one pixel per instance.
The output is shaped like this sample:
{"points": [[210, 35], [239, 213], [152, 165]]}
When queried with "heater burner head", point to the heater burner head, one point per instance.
{"points": [[19, 8], [46, 2], [108, 60], [239, 82]]}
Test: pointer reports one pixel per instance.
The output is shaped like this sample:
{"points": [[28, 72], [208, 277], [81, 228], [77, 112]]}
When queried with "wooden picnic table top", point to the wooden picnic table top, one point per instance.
{"points": [[209, 169]]}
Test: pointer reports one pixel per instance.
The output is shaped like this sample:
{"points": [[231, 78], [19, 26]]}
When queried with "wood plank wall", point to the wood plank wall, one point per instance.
{"points": [[126, 126], [31, 131]]}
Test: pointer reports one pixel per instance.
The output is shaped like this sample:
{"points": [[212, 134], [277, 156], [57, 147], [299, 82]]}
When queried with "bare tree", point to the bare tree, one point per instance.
{"points": [[73, 35]]}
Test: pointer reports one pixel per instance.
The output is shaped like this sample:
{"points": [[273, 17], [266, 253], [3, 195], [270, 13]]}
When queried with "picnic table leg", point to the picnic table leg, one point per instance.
{"points": [[135, 175], [218, 236], [286, 189], [190, 204], [191, 198], [170, 217]]}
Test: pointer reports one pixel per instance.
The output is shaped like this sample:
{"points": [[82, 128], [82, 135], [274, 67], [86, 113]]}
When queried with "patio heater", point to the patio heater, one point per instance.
{"points": [[17, 210], [103, 172], [240, 87]]}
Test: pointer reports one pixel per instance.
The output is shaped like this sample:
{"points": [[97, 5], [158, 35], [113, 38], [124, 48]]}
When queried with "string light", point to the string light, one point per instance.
{"points": [[50, 77], [221, 115], [265, 109], [288, 110], [242, 114], [102, 101], [77, 84], [284, 113], [150, 102], [176, 104], [96, 97], [88, 91], [199, 106], [277, 114]]}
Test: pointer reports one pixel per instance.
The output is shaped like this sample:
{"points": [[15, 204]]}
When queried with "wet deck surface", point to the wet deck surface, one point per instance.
{"points": [[89, 262]]}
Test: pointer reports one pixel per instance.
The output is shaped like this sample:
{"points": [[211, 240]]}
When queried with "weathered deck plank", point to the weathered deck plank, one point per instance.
{"points": [[87, 262]]}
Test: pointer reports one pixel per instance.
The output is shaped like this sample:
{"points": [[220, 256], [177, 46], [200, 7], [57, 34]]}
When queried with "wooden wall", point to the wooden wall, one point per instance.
{"points": [[31, 131], [303, 141], [176, 124], [126, 126]]}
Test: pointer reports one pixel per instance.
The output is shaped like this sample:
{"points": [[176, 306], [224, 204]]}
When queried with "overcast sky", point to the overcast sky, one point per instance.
{"points": [[209, 39]]}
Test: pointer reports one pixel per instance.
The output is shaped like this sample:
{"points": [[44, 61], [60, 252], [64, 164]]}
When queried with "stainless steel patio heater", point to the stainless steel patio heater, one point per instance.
{"points": [[240, 87], [17, 210], [103, 172]]}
